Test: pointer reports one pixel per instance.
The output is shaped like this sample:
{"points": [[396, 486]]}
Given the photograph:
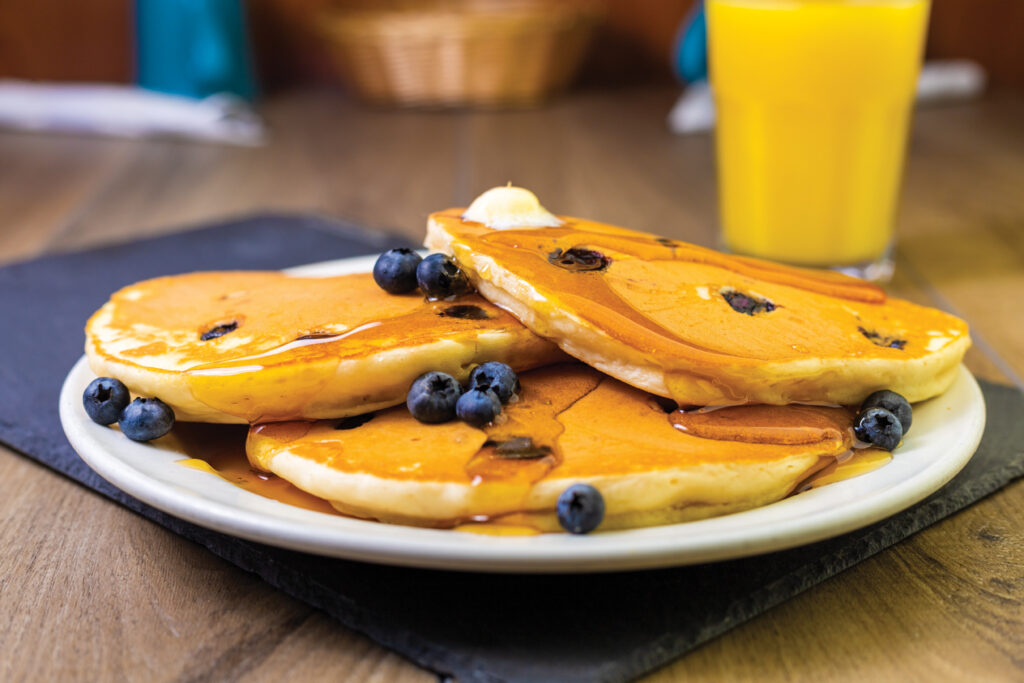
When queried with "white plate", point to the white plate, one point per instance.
{"points": [[946, 433]]}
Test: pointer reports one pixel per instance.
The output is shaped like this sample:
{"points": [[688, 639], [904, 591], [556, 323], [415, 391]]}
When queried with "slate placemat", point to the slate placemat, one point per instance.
{"points": [[477, 627]]}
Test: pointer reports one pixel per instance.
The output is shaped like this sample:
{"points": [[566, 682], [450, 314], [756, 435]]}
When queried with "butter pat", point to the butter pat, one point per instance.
{"points": [[503, 208]]}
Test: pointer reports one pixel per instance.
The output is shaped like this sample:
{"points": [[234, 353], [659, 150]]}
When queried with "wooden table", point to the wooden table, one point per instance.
{"points": [[91, 591]]}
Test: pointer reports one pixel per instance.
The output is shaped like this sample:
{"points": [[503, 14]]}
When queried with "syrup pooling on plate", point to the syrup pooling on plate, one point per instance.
{"points": [[220, 450], [858, 462], [570, 424], [495, 459]]}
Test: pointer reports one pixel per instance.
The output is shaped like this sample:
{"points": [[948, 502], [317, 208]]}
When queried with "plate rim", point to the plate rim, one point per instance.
{"points": [[646, 548]]}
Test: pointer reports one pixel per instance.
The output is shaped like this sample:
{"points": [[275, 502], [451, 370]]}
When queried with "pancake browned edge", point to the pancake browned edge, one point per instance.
{"points": [[582, 426], [669, 317], [241, 347]]}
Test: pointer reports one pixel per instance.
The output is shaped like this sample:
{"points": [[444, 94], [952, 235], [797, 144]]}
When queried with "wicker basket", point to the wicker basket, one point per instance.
{"points": [[495, 53]]}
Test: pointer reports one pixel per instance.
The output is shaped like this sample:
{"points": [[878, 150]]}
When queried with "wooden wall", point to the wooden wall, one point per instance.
{"points": [[73, 40], [989, 31], [92, 39]]}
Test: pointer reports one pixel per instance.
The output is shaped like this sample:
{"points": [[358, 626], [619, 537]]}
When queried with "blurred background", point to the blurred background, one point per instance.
{"points": [[383, 111], [96, 40]]}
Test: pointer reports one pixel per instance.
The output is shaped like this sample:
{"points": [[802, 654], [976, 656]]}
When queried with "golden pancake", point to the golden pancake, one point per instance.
{"points": [[571, 424], [693, 324], [251, 346]]}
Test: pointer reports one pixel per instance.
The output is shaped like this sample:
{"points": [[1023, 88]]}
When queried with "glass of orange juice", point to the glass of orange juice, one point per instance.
{"points": [[813, 102]]}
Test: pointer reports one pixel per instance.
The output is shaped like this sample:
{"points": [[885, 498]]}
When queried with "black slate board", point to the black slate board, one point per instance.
{"points": [[477, 627]]}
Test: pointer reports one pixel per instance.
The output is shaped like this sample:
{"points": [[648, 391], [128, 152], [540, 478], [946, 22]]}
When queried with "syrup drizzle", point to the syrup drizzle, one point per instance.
{"points": [[780, 425], [293, 375], [508, 482], [789, 425], [597, 296], [589, 295], [655, 249], [535, 416]]}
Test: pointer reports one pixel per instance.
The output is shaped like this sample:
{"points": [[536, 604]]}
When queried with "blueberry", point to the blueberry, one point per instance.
{"points": [[579, 259], [440, 278], [580, 509], [478, 407], [395, 270], [879, 339], [219, 331], [497, 377], [432, 397], [878, 427], [894, 403], [748, 304], [104, 399], [465, 312], [146, 419]]}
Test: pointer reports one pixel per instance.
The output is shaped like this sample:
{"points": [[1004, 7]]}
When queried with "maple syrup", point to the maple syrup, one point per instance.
{"points": [[697, 325], [306, 366], [504, 462], [253, 347], [794, 424], [782, 425], [853, 464], [220, 450], [591, 294], [610, 430]]}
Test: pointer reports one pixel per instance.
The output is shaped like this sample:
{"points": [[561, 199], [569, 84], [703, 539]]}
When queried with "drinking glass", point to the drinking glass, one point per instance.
{"points": [[813, 102]]}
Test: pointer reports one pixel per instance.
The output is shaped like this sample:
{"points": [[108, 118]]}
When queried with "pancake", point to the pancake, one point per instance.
{"points": [[571, 424], [690, 323], [242, 347]]}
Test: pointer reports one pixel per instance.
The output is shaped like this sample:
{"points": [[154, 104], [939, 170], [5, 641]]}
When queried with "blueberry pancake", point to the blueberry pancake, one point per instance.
{"points": [[693, 324], [244, 347], [571, 424]]}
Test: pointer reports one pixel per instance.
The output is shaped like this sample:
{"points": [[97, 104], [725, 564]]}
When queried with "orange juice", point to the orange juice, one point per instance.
{"points": [[813, 102]]}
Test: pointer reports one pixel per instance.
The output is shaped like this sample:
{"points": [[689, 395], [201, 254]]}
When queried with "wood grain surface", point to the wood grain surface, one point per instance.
{"points": [[90, 591]]}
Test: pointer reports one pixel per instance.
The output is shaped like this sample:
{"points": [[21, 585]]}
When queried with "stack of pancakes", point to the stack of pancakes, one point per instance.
{"points": [[612, 331]]}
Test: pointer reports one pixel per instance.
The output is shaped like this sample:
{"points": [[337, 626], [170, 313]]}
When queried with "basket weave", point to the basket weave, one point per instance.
{"points": [[456, 54]]}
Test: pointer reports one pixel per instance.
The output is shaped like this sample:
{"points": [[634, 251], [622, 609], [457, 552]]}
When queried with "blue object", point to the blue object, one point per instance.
{"points": [[894, 403], [104, 399], [440, 278], [395, 270], [145, 419], [478, 407], [497, 377], [194, 48], [580, 509], [879, 427], [690, 58], [432, 397]]}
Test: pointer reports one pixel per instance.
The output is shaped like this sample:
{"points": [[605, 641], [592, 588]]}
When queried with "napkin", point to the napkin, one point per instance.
{"points": [[477, 627], [127, 111]]}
